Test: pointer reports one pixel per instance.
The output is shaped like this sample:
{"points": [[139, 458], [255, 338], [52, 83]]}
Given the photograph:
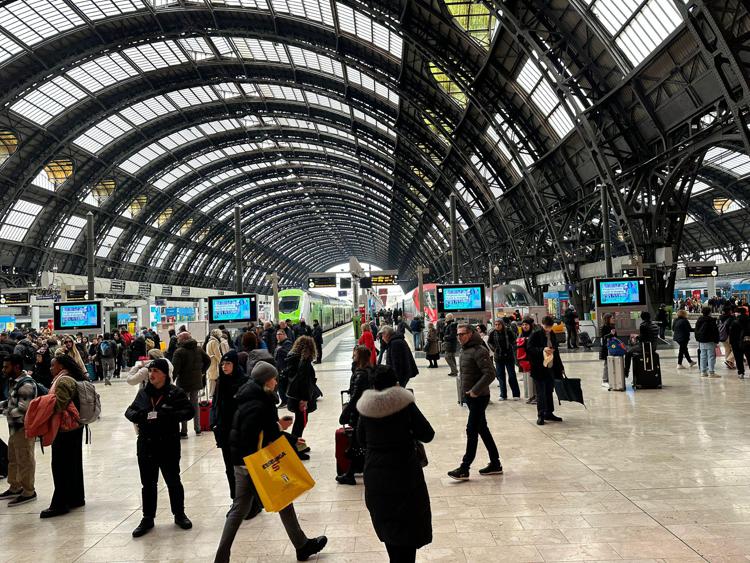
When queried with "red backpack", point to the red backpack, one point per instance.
{"points": [[521, 355]]}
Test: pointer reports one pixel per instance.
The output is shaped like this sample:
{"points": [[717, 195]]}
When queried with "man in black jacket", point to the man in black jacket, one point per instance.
{"points": [[476, 376], [398, 356], [738, 330], [450, 341], [317, 334], [502, 342], [283, 347]]}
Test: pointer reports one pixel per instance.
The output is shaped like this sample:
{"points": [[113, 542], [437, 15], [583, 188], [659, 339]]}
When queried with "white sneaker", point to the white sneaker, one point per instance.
{"points": [[605, 384], [680, 366]]}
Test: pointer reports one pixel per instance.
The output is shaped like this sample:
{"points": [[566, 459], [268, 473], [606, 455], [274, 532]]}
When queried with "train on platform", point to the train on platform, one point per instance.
{"points": [[725, 286], [297, 304], [510, 295]]}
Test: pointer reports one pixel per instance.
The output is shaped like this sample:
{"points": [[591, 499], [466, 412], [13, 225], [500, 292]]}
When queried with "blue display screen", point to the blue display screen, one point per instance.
{"points": [[79, 316], [620, 292], [468, 298], [233, 309]]}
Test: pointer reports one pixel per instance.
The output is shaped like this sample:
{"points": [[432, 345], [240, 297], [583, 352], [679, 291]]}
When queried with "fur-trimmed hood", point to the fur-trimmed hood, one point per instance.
{"points": [[379, 404]]}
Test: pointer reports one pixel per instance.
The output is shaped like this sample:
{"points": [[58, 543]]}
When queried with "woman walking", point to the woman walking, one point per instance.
{"points": [[301, 390], [681, 330], [432, 348], [395, 491], [367, 339]]}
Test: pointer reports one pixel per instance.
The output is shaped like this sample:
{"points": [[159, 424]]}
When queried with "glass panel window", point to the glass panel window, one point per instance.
{"points": [[181, 259], [110, 239], [69, 233], [48, 101], [139, 248], [315, 10], [33, 21], [18, 220], [160, 257], [544, 97], [475, 18], [726, 160], [364, 28]]}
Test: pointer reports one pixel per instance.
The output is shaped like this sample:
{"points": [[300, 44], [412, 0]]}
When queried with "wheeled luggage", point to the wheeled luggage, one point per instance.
{"points": [[646, 368], [204, 408], [616, 371], [585, 339], [461, 398], [343, 442]]}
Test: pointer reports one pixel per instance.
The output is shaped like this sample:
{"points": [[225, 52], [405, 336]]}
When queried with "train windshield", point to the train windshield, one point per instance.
{"points": [[289, 304], [518, 300]]}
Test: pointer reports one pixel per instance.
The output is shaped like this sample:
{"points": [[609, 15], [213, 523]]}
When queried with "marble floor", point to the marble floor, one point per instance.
{"points": [[645, 476]]}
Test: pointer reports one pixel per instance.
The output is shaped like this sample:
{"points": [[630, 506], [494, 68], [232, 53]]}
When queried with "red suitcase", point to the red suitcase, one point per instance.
{"points": [[343, 438], [205, 415]]}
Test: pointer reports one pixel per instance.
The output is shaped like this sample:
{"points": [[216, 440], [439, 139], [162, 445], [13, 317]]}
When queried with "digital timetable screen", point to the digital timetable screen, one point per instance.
{"points": [[622, 292], [466, 298], [78, 316], [233, 309]]}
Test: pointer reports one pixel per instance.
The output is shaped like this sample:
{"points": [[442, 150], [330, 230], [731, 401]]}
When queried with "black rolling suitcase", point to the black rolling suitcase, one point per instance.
{"points": [[646, 368]]}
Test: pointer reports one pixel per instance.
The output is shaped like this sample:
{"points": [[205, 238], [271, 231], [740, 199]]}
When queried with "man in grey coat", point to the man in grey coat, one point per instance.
{"points": [[477, 372]]}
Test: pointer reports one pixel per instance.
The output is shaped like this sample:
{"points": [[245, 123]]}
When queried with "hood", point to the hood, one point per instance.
{"points": [[189, 344], [396, 336], [475, 340], [379, 404]]}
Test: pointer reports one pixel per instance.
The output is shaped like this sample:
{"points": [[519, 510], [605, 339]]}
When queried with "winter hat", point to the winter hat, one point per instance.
{"points": [[528, 320], [263, 371], [646, 316], [163, 365], [383, 377]]}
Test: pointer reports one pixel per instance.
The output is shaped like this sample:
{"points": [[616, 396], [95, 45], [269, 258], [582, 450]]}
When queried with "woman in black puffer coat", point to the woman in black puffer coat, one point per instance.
{"points": [[395, 491], [231, 378]]}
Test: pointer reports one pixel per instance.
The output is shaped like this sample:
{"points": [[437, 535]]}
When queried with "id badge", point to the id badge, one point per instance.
{"points": [[151, 415]]}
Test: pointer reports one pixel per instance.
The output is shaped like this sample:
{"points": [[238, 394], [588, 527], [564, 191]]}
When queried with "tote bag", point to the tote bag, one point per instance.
{"points": [[278, 474]]}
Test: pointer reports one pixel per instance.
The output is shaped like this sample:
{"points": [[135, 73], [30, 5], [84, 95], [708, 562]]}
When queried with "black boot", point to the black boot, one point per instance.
{"points": [[312, 547], [183, 521], [144, 527]]}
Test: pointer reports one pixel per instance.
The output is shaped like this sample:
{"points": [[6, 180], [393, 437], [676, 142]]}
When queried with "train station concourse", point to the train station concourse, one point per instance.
{"points": [[452, 280]]}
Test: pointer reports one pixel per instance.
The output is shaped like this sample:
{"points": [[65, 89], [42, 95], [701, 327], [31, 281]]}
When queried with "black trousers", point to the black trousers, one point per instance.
{"points": [[401, 553], [545, 403], [300, 421], [226, 454], [476, 426], [572, 336], [67, 470], [167, 460], [741, 355], [683, 353]]}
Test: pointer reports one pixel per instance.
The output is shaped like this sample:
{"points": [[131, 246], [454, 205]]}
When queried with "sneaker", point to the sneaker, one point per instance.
{"points": [[704, 374], [459, 474], [680, 366], [516, 398], [144, 527], [502, 398], [22, 499], [346, 479], [282, 405], [693, 364], [453, 374], [531, 401], [183, 521], [492, 469], [107, 382], [10, 494], [303, 456], [741, 376], [605, 384], [311, 547], [713, 375], [198, 432]]}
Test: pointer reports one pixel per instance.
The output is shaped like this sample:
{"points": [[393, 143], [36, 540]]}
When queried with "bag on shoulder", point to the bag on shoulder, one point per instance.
{"points": [[724, 329], [91, 406], [106, 349], [522, 355]]}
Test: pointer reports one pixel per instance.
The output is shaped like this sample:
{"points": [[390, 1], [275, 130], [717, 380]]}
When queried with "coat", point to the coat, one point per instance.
{"points": [[224, 405], [477, 370], [280, 354], [358, 384], [368, 340], [269, 337], [606, 332], [161, 434], [215, 349], [256, 412], [535, 346], [706, 329], [400, 358], [503, 345], [396, 494], [42, 420], [317, 334], [255, 356], [432, 350], [190, 362], [301, 386], [681, 330], [450, 337]]}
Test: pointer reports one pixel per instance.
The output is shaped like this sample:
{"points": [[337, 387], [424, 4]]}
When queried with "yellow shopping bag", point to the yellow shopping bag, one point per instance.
{"points": [[278, 474]]}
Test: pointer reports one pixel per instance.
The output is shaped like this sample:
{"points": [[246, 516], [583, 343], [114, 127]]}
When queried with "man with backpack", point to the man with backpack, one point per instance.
{"points": [[107, 352], [22, 466]]}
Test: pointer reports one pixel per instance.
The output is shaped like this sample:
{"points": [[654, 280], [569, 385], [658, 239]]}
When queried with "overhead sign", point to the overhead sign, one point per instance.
{"points": [[319, 282], [630, 272], [117, 287], [706, 271], [184, 292], [365, 283], [343, 293], [15, 298], [144, 289], [345, 283], [384, 279], [166, 290], [77, 295]]}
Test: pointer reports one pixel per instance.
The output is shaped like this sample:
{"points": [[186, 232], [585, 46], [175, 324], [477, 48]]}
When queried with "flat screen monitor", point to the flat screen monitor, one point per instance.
{"points": [[81, 315], [233, 309], [463, 298], [621, 292]]}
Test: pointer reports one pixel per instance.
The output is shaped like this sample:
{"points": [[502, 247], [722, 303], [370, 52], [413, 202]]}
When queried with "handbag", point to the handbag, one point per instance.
{"points": [[278, 474], [421, 453], [568, 389]]}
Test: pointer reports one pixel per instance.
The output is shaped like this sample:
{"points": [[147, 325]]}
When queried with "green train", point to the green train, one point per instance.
{"points": [[296, 304]]}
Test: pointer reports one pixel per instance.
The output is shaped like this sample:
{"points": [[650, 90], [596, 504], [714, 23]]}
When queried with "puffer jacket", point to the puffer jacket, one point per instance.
{"points": [[172, 406], [256, 412], [190, 362], [477, 370], [21, 392], [258, 355]]}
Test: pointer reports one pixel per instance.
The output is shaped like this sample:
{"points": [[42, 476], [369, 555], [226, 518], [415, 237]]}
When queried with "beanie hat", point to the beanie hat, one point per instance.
{"points": [[528, 321], [263, 371], [163, 365], [646, 316], [383, 377]]}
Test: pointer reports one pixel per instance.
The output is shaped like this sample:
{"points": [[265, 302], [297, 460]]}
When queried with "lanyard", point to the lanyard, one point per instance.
{"points": [[154, 405]]}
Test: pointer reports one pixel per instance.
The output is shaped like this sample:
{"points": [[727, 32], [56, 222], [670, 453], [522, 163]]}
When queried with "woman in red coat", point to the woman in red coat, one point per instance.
{"points": [[368, 340]]}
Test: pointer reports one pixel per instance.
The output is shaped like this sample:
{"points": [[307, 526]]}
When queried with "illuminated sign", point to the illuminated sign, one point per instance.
{"points": [[384, 279], [318, 282], [709, 271]]}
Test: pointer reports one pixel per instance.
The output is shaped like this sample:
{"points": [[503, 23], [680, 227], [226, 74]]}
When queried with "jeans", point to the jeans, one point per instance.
{"points": [[417, 340], [502, 366], [545, 404], [683, 353], [164, 458], [707, 358], [605, 372], [193, 396], [476, 426], [450, 358], [244, 499], [21, 463], [67, 470]]}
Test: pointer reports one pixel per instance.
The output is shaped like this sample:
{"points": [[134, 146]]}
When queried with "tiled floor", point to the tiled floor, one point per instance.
{"points": [[646, 476]]}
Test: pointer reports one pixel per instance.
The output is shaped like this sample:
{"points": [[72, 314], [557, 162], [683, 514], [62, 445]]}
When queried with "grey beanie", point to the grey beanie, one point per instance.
{"points": [[263, 371]]}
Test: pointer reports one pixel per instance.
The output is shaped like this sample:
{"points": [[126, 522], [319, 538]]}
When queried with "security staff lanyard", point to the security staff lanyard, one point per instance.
{"points": [[152, 413]]}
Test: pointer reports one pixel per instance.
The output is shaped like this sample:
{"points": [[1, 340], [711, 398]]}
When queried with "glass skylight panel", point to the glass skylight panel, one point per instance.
{"points": [[109, 242], [315, 99], [103, 133], [42, 180], [100, 9], [18, 220], [311, 59], [48, 101], [699, 187], [195, 266], [139, 248], [144, 111], [197, 48], [257, 4], [33, 21], [251, 49], [162, 256], [369, 83], [638, 26], [153, 56], [143, 157], [315, 10], [69, 233], [102, 72], [363, 27], [735, 163], [181, 259], [534, 83]]}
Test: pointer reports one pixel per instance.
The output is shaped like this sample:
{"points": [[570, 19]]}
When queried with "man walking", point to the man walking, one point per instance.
{"points": [[451, 344], [317, 334], [190, 363], [476, 375], [398, 356], [571, 328], [283, 347], [22, 390]]}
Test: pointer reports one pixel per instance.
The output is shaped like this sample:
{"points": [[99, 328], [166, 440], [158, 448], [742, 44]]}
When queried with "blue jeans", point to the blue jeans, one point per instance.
{"points": [[707, 356], [502, 366], [417, 341]]}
